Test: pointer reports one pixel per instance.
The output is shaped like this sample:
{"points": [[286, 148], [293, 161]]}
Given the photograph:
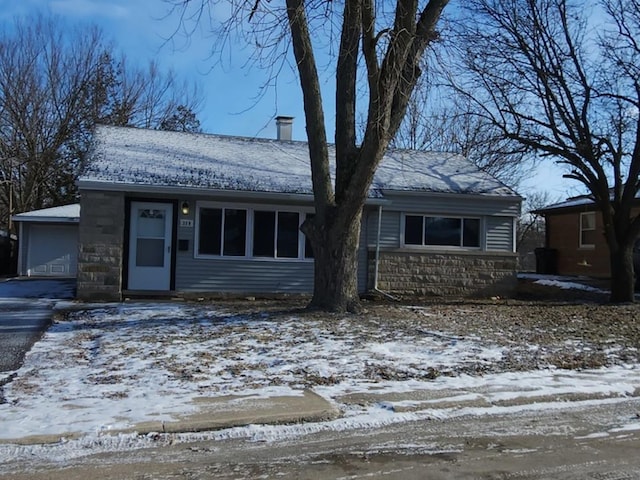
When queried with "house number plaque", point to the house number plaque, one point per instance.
{"points": [[186, 222]]}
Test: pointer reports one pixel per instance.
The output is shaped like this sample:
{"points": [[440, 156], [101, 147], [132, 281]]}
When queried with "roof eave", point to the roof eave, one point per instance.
{"points": [[480, 196], [34, 219], [185, 190]]}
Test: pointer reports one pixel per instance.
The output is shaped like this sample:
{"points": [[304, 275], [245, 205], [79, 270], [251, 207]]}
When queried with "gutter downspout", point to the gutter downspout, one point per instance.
{"points": [[377, 261], [375, 275]]}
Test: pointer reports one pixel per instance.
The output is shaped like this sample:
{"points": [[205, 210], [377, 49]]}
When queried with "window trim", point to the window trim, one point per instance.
{"points": [[588, 246], [250, 210], [460, 247]]}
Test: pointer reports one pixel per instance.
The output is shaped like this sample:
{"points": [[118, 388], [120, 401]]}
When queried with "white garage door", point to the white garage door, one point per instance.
{"points": [[53, 250]]}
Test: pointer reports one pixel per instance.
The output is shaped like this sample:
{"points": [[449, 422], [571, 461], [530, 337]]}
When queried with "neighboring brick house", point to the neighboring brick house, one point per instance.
{"points": [[575, 242], [169, 212]]}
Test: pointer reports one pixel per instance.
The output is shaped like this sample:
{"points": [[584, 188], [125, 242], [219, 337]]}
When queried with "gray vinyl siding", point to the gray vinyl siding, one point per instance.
{"points": [[389, 229], [242, 275], [500, 234], [363, 254]]}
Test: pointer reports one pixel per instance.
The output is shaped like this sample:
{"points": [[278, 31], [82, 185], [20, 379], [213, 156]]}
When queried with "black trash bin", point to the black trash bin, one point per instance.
{"points": [[546, 261]]}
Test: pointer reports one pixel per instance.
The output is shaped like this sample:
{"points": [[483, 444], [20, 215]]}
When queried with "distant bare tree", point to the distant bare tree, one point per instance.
{"points": [[56, 83], [562, 78], [447, 122], [530, 232]]}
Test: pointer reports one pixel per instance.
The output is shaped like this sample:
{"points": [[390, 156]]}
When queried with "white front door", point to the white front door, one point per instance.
{"points": [[150, 246]]}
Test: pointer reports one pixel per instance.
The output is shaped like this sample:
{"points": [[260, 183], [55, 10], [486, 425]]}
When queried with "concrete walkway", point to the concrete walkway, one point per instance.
{"points": [[215, 413]]}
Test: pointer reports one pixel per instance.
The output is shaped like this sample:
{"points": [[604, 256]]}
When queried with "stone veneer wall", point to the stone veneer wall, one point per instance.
{"points": [[445, 274], [100, 246]]}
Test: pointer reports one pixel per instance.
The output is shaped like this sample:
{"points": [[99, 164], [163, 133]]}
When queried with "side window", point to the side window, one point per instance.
{"points": [[588, 229], [413, 230], [442, 231], [471, 232]]}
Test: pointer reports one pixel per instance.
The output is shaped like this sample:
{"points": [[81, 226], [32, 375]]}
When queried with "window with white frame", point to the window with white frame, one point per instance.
{"points": [[276, 234], [424, 230], [222, 232], [251, 233], [588, 229]]}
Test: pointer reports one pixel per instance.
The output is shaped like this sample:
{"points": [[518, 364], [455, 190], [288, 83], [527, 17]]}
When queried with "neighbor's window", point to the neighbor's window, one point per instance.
{"points": [[588, 229], [222, 231], [441, 231]]}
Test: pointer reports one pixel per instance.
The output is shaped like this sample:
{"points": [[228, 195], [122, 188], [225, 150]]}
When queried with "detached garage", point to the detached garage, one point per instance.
{"points": [[48, 242]]}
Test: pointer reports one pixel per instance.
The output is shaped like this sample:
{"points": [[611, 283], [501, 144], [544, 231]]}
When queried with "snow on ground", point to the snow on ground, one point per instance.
{"points": [[559, 281], [116, 366], [112, 366]]}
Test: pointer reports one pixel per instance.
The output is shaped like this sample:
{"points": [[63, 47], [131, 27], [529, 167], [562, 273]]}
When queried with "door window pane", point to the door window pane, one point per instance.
{"points": [[151, 223], [264, 226], [149, 252], [288, 234]]}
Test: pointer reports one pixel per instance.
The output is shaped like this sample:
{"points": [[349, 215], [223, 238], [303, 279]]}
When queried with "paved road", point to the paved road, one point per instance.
{"points": [[25, 313]]}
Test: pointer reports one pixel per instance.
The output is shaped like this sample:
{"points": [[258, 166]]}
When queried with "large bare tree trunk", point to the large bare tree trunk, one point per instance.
{"points": [[622, 284], [621, 275], [335, 249], [335, 229]]}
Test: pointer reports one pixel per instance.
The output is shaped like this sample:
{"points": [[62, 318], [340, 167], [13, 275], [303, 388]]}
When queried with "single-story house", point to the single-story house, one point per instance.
{"points": [[48, 241], [574, 239], [170, 212]]}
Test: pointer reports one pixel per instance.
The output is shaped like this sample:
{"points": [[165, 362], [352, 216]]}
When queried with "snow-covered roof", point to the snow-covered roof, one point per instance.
{"points": [[138, 157], [63, 214], [569, 203], [573, 202]]}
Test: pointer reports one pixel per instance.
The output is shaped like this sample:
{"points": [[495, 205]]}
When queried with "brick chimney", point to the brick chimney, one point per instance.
{"points": [[284, 125]]}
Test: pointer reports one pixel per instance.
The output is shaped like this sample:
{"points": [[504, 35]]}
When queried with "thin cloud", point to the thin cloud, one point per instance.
{"points": [[88, 8]]}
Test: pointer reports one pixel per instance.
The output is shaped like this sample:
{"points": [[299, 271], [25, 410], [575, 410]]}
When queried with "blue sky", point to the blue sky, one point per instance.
{"points": [[140, 29]]}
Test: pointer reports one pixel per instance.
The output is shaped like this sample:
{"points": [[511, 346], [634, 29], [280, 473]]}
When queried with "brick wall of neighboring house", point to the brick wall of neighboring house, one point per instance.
{"points": [[100, 246], [563, 235], [445, 274]]}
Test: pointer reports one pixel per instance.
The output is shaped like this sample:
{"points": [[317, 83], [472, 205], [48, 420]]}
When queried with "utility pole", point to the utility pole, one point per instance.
{"points": [[9, 181]]}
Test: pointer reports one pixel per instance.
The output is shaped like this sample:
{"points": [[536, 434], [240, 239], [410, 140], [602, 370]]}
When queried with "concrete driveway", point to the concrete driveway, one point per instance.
{"points": [[26, 307]]}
